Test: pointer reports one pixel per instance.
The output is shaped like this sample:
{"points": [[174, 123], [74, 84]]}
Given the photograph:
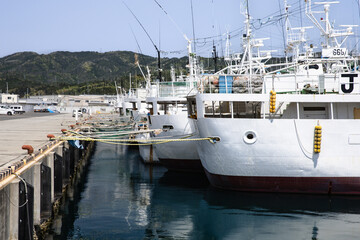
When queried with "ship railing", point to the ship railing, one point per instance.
{"points": [[294, 38], [259, 108], [286, 107], [341, 32], [217, 108], [304, 83], [175, 89], [289, 83]]}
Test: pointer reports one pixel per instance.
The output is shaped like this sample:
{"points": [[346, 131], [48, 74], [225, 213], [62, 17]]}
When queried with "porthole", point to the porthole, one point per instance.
{"points": [[250, 137]]}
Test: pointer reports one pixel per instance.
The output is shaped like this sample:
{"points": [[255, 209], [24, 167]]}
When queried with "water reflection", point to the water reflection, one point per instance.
{"points": [[279, 216], [121, 198]]}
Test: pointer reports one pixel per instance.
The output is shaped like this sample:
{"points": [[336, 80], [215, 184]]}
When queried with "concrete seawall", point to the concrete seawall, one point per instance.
{"points": [[32, 184]]}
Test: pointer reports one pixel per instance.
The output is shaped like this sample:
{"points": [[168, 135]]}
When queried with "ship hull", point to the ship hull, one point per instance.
{"points": [[280, 157], [147, 152], [177, 155], [313, 185]]}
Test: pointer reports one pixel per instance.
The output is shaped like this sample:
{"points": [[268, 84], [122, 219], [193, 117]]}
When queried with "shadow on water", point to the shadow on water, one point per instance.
{"points": [[189, 212], [121, 198], [64, 222], [283, 203], [183, 179], [280, 216]]}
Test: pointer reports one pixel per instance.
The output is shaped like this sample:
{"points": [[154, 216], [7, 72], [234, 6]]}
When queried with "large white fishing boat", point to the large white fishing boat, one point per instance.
{"points": [[293, 129]]}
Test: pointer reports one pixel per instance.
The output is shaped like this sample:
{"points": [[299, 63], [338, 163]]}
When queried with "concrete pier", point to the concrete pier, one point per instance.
{"points": [[32, 184]]}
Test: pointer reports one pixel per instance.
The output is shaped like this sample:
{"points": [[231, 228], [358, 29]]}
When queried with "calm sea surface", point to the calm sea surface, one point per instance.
{"points": [[118, 197]]}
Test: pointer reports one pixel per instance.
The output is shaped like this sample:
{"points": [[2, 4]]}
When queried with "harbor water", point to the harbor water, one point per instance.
{"points": [[118, 197]]}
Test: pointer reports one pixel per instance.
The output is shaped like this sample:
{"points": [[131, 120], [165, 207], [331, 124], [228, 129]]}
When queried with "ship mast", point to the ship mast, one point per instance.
{"points": [[295, 37], [287, 27], [332, 47], [248, 47], [328, 32], [192, 64], [227, 57]]}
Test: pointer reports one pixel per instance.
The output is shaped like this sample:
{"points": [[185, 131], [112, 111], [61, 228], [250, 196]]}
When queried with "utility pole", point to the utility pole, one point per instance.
{"points": [[159, 65], [214, 55], [130, 84]]}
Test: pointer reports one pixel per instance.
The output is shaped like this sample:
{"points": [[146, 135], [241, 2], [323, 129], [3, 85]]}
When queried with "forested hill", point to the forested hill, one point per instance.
{"points": [[76, 72]]}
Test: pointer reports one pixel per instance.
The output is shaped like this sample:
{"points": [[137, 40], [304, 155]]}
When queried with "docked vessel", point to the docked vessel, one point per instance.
{"points": [[168, 112], [170, 115], [138, 112], [292, 129]]}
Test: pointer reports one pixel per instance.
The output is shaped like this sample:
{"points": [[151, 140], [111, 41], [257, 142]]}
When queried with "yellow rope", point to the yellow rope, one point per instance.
{"points": [[138, 142], [74, 132], [131, 144]]}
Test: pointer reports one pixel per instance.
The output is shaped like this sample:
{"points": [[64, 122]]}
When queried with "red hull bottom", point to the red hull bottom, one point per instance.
{"points": [[313, 185], [183, 165]]}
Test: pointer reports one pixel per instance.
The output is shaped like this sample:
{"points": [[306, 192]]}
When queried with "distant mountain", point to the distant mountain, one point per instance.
{"points": [[54, 71], [73, 67]]}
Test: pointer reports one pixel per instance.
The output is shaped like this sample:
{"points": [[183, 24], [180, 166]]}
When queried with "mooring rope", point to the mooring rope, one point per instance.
{"points": [[121, 131], [150, 141]]}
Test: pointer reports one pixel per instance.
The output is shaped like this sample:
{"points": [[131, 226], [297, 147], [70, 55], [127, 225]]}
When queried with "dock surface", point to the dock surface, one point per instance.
{"points": [[28, 129]]}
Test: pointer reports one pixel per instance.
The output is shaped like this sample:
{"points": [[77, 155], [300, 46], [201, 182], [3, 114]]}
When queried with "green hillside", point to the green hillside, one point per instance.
{"points": [[77, 72]]}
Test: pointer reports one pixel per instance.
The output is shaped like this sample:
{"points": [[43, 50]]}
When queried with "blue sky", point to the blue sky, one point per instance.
{"points": [[45, 26]]}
